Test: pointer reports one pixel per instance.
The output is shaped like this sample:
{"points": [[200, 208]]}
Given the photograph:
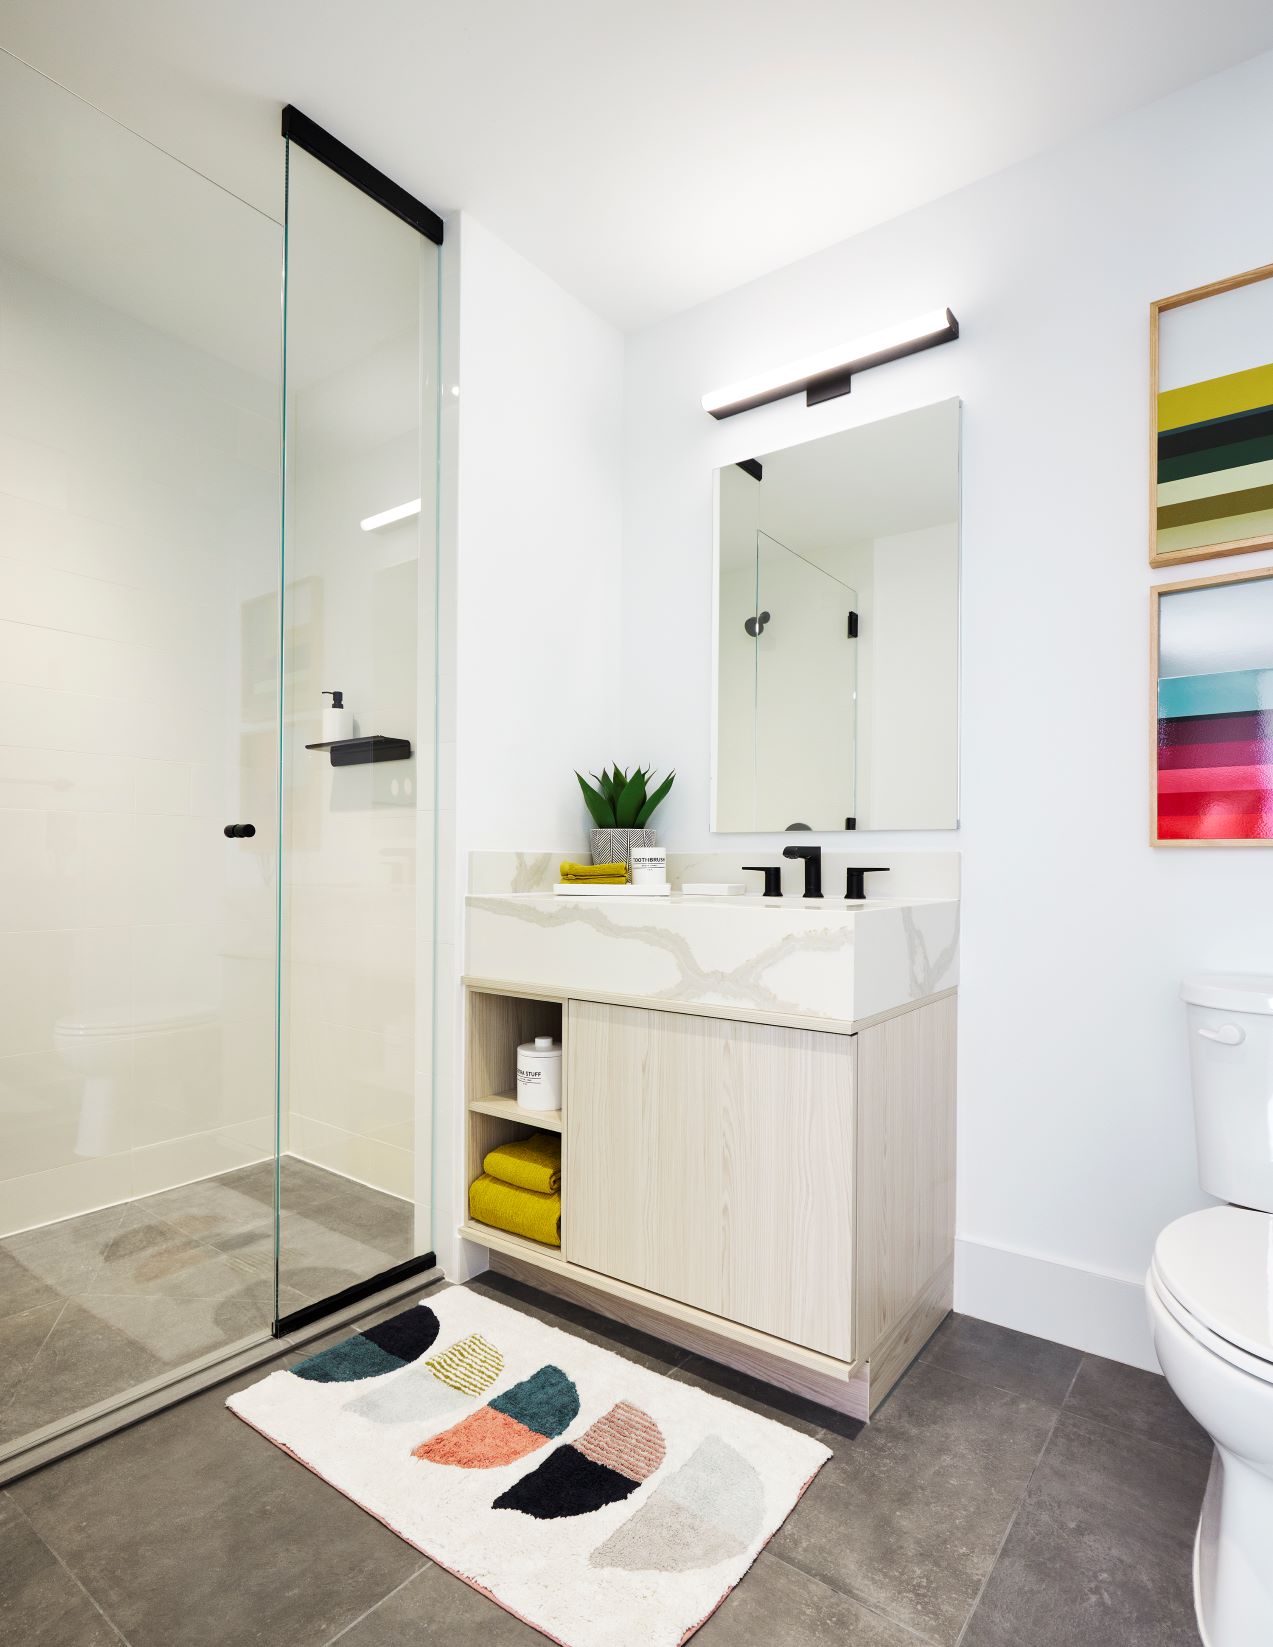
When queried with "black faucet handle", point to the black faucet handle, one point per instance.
{"points": [[854, 885], [773, 878]]}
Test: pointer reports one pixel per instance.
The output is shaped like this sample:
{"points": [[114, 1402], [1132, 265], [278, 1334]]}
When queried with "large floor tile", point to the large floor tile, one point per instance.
{"points": [[436, 1607], [60, 1259], [83, 1360], [909, 1517], [590, 1325], [192, 1529], [211, 1210], [1100, 1551], [778, 1606], [1128, 1399], [22, 1337], [21, 1289], [378, 1220], [1008, 1360], [41, 1605]]}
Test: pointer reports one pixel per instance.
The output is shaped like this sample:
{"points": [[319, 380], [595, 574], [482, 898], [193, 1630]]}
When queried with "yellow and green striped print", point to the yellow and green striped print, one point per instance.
{"points": [[1215, 461]]}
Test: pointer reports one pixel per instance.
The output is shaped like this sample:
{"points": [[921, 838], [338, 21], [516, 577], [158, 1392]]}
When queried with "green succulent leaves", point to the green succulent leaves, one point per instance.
{"points": [[620, 800]]}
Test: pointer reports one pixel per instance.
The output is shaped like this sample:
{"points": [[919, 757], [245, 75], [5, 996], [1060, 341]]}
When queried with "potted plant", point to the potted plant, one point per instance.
{"points": [[621, 805]]}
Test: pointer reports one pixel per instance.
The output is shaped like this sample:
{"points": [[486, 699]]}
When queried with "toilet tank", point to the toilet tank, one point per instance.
{"points": [[1230, 1017]]}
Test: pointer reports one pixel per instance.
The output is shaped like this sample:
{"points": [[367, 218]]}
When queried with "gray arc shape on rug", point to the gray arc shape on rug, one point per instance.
{"points": [[707, 1511], [416, 1395]]}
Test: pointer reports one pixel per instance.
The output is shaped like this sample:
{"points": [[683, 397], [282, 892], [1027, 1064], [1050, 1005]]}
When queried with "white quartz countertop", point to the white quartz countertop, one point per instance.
{"points": [[810, 959]]}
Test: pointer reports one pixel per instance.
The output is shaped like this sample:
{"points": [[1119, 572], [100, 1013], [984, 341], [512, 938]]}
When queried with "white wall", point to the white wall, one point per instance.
{"points": [[1075, 1121], [540, 533], [537, 690]]}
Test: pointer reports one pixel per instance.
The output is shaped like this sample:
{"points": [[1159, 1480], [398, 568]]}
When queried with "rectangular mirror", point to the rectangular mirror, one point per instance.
{"points": [[837, 631]]}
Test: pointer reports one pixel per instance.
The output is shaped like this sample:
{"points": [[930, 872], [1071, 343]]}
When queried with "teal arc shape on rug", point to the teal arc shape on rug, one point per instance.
{"points": [[387, 1347], [546, 1402]]}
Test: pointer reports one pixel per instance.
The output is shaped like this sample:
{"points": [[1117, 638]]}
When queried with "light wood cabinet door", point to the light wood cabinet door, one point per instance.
{"points": [[711, 1162]]}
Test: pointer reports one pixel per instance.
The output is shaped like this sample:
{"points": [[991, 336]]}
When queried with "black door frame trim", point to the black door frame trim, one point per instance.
{"points": [[310, 1313], [307, 134]]}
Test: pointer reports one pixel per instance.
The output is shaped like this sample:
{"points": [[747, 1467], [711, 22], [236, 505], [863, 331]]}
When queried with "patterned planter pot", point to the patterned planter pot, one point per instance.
{"points": [[614, 846]]}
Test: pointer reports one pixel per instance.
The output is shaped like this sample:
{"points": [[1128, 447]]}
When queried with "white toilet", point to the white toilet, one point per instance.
{"points": [[1210, 1290], [171, 1051]]}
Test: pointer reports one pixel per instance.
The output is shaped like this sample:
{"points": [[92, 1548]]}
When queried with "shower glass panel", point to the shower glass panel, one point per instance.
{"points": [[361, 353], [806, 689], [139, 546]]}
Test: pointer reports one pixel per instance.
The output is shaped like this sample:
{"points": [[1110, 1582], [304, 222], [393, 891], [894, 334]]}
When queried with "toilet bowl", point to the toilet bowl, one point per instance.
{"points": [[1211, 1312], [1210, 1294], [118, 1052]]}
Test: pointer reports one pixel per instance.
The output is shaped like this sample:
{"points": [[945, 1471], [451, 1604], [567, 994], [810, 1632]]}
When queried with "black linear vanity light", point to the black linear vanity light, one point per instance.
{"points": [[829, 373]]}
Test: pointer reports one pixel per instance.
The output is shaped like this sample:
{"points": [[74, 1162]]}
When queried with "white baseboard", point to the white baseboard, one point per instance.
{"points": [[1086, 1309]]}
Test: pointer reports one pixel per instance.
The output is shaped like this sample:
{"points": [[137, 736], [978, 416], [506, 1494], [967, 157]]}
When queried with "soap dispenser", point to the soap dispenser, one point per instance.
{"points": [[338, 722]]}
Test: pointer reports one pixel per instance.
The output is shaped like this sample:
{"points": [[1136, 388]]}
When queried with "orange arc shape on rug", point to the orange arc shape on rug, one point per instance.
{"points": [[483, 1441]]}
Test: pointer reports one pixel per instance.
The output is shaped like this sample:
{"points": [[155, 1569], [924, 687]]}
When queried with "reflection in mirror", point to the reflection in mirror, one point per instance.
{"points": [[837, 631]]}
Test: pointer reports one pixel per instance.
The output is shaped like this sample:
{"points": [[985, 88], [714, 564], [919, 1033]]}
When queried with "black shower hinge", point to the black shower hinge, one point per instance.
{"points": [[853, 626]]}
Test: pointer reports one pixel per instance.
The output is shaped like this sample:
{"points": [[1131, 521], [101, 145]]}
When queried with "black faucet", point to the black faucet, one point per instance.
{"points": [[855, 886], [812, 856], [773, 878]]}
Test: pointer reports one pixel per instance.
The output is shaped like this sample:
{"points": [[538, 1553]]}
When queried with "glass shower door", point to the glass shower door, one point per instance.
{"points": [[139, 575], [806, 692], [361, 362]]}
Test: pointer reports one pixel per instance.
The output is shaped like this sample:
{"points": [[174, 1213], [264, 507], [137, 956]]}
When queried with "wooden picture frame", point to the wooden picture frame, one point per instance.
{"points": [[1242, 386], [1211, 755]]}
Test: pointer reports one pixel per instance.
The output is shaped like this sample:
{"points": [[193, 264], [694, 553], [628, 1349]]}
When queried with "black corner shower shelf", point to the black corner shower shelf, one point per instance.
{"points": [[362, 751]]}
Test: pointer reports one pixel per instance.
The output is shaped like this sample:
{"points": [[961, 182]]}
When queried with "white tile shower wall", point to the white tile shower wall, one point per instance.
{"points": [[1076, 1135], [138, 508]]}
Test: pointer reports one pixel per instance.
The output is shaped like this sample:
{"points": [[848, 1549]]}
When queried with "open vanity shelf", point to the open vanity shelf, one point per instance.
{"points": [[774, 1196], [508, 1109], [497, 1024]]}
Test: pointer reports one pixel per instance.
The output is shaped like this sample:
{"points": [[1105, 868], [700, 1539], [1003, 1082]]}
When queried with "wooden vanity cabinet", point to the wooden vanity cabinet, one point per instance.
{"points": [[712, 1162], [779, 1198]]}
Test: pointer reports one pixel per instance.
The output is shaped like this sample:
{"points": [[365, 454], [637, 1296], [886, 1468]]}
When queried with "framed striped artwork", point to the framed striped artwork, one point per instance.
{"points": [[1211, 647], [1211, 420]]}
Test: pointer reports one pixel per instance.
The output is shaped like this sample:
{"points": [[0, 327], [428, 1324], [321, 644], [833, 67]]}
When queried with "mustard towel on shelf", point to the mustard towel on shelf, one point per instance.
{"points": [[600, 874], [519, 1211], [531, 1163]]}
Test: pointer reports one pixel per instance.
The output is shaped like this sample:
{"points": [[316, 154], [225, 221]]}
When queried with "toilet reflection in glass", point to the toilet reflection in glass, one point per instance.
{"points": [[1210, 1294], [147, 1076]]}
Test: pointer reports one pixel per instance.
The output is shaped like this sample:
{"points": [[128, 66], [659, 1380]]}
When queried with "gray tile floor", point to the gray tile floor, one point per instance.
{"points": [[92, 1306], [1010, 1491]]}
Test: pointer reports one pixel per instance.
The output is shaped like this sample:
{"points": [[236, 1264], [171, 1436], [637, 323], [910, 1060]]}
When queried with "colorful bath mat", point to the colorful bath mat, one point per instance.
{"points": [[605, 1505]]}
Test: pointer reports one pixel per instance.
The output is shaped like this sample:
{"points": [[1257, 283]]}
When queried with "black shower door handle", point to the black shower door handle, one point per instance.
{"points": [[239, 832]]}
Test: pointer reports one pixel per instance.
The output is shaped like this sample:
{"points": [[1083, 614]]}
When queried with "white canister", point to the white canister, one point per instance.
{"points": [[649, 866], [539, 1073]]}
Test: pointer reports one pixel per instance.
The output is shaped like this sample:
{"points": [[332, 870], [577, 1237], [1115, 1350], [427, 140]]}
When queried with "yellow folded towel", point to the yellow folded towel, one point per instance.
{"points": [[605, 874], [519, 1211], [532, 1163]]}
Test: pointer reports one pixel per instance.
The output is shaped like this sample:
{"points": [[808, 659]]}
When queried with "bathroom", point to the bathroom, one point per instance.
{"points": [[277, 1036]]}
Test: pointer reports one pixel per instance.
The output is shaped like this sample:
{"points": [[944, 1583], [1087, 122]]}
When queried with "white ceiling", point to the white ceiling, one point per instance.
{"points": [[651, 155]]}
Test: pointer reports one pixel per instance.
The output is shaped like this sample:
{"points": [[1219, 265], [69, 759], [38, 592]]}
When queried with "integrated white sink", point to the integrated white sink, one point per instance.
{"points": [[812, 959]]}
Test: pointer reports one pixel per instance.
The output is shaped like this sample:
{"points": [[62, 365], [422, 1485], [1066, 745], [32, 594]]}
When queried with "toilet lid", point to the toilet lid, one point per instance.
{"points": [[124, 1021], [1218, 1264]]}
